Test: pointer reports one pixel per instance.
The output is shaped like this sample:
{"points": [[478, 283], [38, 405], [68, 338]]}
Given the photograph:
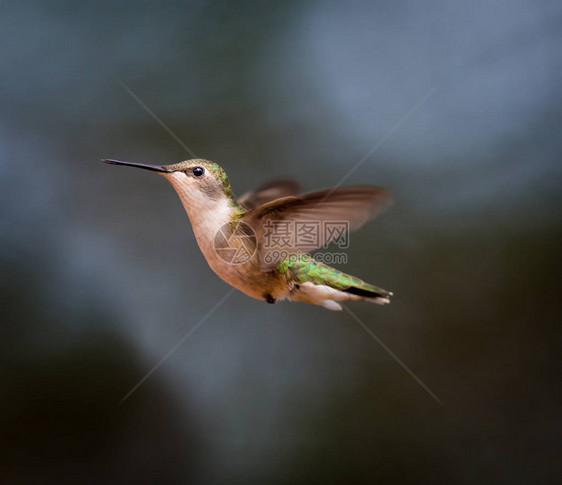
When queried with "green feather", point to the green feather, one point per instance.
{"points": [[303, 268]]}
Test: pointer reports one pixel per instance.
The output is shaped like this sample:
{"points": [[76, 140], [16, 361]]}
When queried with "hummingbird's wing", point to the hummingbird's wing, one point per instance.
{"points": [[269, 191], [300, 224]]}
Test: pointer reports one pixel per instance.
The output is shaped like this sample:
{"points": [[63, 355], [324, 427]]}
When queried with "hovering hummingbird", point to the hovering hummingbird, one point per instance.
{"points": [[234, 234]]}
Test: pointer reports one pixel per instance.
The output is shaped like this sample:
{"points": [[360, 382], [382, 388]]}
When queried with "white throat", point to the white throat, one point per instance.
{"points": [[206, 216]]}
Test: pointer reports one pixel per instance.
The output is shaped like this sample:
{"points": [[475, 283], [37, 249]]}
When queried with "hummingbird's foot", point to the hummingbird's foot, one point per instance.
{"points": [[269, 298]]}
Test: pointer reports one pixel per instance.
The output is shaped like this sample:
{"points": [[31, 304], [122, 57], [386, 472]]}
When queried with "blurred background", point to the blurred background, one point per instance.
{"points": [[101, 276]]}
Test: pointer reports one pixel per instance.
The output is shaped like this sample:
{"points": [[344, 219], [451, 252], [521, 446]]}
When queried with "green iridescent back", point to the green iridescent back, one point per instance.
{"points": [[304, 268]]}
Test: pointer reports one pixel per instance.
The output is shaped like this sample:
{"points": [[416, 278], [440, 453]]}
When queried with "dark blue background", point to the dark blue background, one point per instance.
{"points": [[101, 275]]}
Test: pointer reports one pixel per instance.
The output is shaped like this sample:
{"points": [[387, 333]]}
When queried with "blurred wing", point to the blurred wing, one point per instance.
{"points": [[300, 224], [269, 191]]}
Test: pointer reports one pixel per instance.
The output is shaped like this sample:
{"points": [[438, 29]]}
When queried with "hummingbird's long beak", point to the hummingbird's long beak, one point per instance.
{"points": [[154, 168]]}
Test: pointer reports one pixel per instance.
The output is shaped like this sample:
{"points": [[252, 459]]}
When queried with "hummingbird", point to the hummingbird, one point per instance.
{"points": [[235, 235]]}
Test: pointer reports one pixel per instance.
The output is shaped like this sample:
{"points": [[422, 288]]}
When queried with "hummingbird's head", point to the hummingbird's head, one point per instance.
{"points": [[202, 176], [199, 180]]}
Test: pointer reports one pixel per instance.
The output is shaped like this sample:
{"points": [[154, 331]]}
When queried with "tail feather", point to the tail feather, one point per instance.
{"points": [[328, 283], [380, 297], [359, 288], [368, 293]]}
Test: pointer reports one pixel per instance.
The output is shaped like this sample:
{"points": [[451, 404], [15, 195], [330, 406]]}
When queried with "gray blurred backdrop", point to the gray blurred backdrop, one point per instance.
{"points": [[101, 275]]}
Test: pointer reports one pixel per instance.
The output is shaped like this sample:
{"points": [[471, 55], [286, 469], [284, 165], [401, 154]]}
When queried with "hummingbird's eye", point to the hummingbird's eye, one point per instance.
{"points": [[198, 171]]}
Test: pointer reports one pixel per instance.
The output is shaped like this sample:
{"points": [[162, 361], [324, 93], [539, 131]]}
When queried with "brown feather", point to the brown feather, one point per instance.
{"points": [[355, 205], [269, 191]]}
